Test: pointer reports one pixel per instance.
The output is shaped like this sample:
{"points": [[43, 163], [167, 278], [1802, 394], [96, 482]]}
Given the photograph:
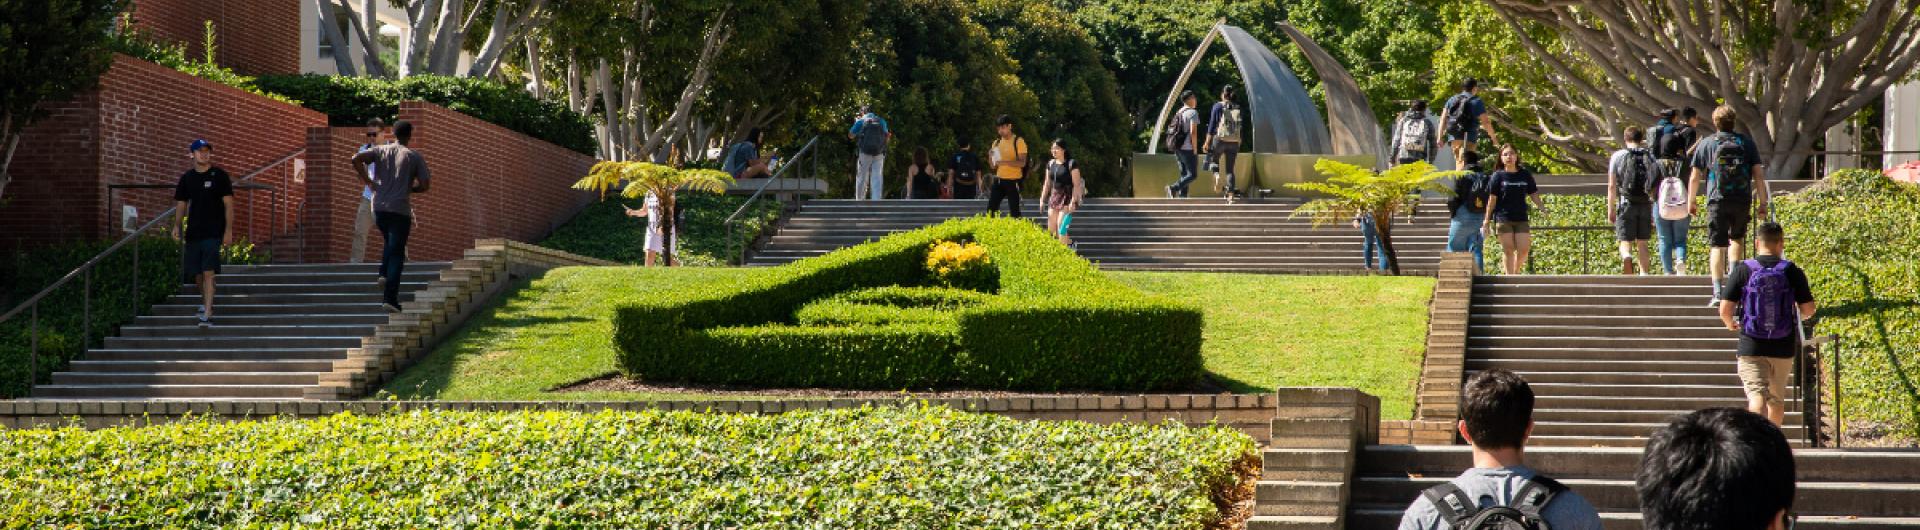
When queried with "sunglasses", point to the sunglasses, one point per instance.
{"points": [[372, 134]]}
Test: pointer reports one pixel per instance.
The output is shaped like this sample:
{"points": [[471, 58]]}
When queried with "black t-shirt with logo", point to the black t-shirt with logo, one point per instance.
{"points": [[206, 212]]}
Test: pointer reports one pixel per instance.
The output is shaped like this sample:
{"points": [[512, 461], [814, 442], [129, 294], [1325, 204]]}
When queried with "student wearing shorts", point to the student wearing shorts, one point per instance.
{"points": [[1508, 211]]}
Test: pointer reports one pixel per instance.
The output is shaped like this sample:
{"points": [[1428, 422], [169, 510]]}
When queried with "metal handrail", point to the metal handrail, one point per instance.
{"points": [[731, 219], [85, 272]]}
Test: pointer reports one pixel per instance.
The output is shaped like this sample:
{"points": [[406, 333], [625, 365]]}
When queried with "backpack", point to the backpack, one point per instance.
{"points": [[1177, 133], [1230, 124], [964, 171], [1732, 177], [873, 136], [1673, 198], [1464, 513], [1456, 115], [1766, 307], [1636, 180], [1473, 188], [1414, 134], [1666, 141]]}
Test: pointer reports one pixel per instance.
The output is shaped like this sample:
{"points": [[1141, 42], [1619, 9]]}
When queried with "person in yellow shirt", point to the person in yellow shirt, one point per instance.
{"points": [[1009, 155]]}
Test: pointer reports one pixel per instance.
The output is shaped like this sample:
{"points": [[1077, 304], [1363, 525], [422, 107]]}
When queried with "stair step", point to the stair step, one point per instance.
{"points": [[365, 268], [275, 310], [223, 328], [189, 343], [215, 354], [170, 391], [1661, 333], [374, 317], [186, 378], [1602, 354], [205, 366]]}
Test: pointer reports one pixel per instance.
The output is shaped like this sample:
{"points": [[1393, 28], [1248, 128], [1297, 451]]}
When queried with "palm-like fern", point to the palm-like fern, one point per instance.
{"points": [[642, 178], [1352, 190]]}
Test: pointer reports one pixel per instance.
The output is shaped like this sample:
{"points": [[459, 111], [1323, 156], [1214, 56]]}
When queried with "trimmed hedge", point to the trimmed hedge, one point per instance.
{"points": [[908, 467], [1056, 323], [887, 305], [351, 101], [61, 313]]}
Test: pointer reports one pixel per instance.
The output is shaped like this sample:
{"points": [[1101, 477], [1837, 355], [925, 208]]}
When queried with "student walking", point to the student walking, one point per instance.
{"points": [[1716, 469], [1223, 148], [1062, 190], [963, 180], [1507, 210], [1673, 216], [1630, 176], [870, 134], [1468, 208], [1769, 296], [1729, 164], [1009, 167], [377, 134], [1370, 243], [398, 173], [1414, 137], [1465, 117], [204, 195], [1496, 418], [922, 178], [656, 241], [1181, 137]]}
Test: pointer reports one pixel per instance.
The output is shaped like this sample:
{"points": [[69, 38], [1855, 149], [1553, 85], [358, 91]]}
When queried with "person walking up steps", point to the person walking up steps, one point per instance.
{"points": [[1223, 151], [870, 134], [377, 134], [1769, 296], [398, 173], [1415, 137], [1673, 219], [1507, 211], [1181, 136], [1009, 155], [1062, 191], [1465, 117], [1469, 212], [205, 196], [1496, 418], [963, 177], [1729, 164], [1630, 176]]}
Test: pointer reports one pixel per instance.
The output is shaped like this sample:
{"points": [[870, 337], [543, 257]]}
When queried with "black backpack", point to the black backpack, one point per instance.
{"points": [[873, 136], [1635, 182], [1666, 141], [1464, 513], [1472, 191], [1732, 176], [1178, 132], [1456, 115]]}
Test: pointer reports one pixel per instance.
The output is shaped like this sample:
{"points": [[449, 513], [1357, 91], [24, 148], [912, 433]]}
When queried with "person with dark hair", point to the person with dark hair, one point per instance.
{"points": [[1464, 117], [1672, 218], [870, 134], [1182, 138], [1414, 137], [398, 172], [204, 195], [1062, 191], [743, 159], [1631, 174], [377, 134], [1496, 418], [1716, 469], [1009, 160], [1729, 164], [1468, 206], [1224, 130], [963, 180], [1770, 296], [1507, 211], [922, 177]]}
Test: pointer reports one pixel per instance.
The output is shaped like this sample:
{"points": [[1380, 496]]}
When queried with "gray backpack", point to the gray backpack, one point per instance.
{"points": [[873, 136]]}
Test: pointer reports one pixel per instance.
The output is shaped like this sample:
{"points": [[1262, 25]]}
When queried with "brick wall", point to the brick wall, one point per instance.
{"points": [[253, 37], [134, 129], [488, 182]]}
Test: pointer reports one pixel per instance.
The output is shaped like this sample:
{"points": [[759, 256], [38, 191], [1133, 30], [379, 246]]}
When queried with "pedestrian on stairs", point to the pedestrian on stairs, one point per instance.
{"points": [[1770, 296], [1009, 161], [1415, 137], [1507, 211], [1467, 209], [377, 134], [398, 172], [870, 134], [963, 180], [1062, 191], [1370, 243], [1729, 164], [1223, 147], [1496, 418], [923, 181], [1182, 137], [205, 196], [1631, 174], [1672, 218], [1716, 469]]}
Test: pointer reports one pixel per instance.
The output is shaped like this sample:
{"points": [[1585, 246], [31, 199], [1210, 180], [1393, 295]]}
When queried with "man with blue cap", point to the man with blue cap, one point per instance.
{"points": [[205, 196]]}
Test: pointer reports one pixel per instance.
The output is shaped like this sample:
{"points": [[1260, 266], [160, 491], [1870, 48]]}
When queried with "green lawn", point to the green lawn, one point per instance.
{"points": [[1262, 332]]}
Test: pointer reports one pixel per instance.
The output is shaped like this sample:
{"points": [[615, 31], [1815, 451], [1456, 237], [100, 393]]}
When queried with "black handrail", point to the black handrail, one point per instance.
{"points": [[731, 219], [85, 272]]}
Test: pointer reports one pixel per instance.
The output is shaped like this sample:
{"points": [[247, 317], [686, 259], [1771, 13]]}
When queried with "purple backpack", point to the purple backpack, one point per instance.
{"points": [[1767, 309]]}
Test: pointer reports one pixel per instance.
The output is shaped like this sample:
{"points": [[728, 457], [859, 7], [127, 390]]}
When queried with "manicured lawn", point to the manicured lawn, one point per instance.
{"points": [[1262, 332]]}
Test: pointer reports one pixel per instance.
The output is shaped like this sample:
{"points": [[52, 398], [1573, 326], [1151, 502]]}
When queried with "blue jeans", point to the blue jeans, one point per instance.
{"points": [[1371, 246], [394, 229], [1463, 235], [1189, 170], [1673, 240]]}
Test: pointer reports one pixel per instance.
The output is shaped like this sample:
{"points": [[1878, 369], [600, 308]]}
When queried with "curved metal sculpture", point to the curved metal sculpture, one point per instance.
{"points": [[1351, 121], [1282, 116]]}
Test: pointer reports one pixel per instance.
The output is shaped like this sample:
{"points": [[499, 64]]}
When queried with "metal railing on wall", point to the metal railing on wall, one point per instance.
{"points": [[738, 255]]}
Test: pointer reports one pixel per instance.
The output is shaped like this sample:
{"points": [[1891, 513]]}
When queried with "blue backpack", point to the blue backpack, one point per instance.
{"points": [[1766, 307]]}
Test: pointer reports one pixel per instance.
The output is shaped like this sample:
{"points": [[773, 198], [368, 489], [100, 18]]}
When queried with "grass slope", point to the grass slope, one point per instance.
{"points": [[604, 231]]}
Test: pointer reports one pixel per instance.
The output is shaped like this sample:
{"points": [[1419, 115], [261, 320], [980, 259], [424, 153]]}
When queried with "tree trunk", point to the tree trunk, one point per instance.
{"points": [[6, 160], [369, 28], [444, 55], [535, 72], [414, 48], [671, 209], [505, 26], [716, 39], [330, 29], [1383, 224]]}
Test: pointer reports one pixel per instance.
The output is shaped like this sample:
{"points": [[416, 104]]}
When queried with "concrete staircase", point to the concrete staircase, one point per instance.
{"points": [[1135, 234], [1609, 357], [1837, 489], [276, 329]]}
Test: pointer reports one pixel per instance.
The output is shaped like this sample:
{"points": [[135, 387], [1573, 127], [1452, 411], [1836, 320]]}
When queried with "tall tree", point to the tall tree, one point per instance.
{"points": [[1147, 44], [789, 59], [1386, 44], [1076, 101], [1791, 70], [49, 50], [437, 34], [643, 65]]}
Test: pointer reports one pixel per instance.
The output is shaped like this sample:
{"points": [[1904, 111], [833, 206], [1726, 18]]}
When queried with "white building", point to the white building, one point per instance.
{"points": [[317, 58], [1902, 123]]}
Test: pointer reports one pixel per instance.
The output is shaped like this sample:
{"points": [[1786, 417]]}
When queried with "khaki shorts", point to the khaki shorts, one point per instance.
{"points": [[1765, 377], [1501, 228]]}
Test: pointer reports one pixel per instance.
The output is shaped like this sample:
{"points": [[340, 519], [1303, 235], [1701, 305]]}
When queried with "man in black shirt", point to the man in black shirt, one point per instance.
{"points": [[1765, 363], [205, 195]]}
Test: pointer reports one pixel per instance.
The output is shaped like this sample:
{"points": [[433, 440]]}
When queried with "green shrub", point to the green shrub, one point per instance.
{"points": [[888, 305], [603, 230], [1056, 323], [1588, 251], [906, 467], [141, 45], [62, 313], [351, 101]]}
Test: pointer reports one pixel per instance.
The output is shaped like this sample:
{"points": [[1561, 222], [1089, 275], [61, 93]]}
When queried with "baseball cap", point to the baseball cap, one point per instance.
{"points": [[197, 144]]}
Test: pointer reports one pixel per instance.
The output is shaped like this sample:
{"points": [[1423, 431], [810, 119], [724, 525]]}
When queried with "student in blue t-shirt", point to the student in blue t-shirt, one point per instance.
{"points": [[743, 159], [1508, 209]]}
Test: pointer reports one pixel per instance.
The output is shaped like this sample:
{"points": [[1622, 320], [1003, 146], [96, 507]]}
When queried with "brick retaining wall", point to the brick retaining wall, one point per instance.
{"points": [[254, 37]]}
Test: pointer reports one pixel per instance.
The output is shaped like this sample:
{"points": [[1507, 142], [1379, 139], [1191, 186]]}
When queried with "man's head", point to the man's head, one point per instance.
{"points": [[1692, 117], [965, 144], [1770, 237], [403, 131], [1187, 98], [1667, 114], [1470, 86], [201, 151], [1226, 93], [1004, 125], [1496, 410], [754, 136], [1472, 158], [1635, 136], [1419, 105], [1724, 119], [1716, 469], [376, 128]]}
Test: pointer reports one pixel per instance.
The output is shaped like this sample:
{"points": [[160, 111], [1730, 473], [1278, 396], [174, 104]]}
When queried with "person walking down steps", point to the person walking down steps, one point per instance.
{"points": [[205, 195], [398, 173]]}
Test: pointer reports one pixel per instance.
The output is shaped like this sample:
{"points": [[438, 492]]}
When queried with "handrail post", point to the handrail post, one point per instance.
{"points": [[33, 344], [86, 310], [136, 278]]}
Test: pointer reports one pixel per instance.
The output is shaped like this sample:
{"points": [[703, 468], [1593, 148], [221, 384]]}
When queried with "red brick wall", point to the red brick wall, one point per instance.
{"points": [[251, 36], [134, 129], [488, 182]]}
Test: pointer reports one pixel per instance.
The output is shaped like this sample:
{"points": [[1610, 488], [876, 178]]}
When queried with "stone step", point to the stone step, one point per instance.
{"points": [[256, 342], [1297, 522], [216, 354], [1722, 378], [1659, 333], [1592, 279], [1545, 308], [1811, 465], [1635, 403], [170, 391], [224, 299], [371, 308], [204, 366], [1598, 415], [375, 317], [1688, 299], [222, 328], [186, 378], [1724, 363], [1299, 497], [1622, 292], [319, 278], [333, 268], [1637, 390], [1704, 319], [1621, 429], [1726, 344], [275, 289]]}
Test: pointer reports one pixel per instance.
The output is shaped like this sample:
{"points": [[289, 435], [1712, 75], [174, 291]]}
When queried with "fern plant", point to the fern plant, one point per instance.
{"points": [[637, 179], [1351, 191]]}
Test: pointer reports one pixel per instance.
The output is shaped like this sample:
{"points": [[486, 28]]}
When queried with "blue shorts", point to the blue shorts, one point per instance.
{"points": [[199, 255]]}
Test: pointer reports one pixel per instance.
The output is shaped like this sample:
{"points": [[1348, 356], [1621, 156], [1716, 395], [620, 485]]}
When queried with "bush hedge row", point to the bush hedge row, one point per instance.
{"points": [[1054, 323], [351, 101], [906, 467], [62, 325]]}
